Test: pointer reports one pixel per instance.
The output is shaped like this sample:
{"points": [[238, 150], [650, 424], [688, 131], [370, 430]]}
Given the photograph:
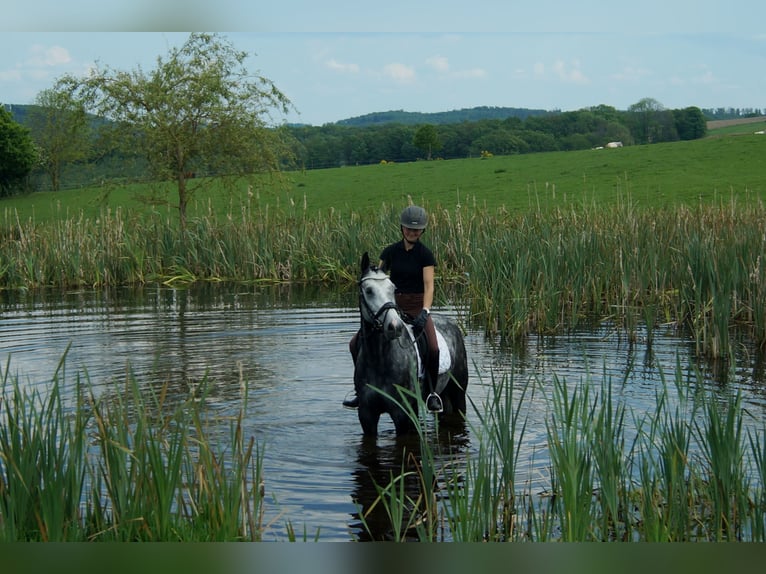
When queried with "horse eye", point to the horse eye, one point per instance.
{"points": [[368, 290]]}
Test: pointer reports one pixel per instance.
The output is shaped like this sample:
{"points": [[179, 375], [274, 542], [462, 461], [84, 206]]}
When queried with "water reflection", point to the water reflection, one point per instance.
{"points": [[287, 347], [379, 462]]}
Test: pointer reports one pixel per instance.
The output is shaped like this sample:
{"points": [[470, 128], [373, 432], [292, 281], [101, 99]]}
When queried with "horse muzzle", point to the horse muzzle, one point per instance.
{"points": [[393, 325]]}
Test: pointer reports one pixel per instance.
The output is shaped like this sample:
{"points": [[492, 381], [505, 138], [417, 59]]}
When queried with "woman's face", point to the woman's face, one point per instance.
{"points": [[411, 235]]}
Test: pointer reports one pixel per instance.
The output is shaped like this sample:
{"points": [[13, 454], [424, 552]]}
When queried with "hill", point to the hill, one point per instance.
{"points": [[450, 117]]}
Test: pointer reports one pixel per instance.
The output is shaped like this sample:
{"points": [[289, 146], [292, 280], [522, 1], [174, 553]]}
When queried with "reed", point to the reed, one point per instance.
{"points": [[546, 271], [122, 468], [686, 476], [482, 499], [135, 465]]}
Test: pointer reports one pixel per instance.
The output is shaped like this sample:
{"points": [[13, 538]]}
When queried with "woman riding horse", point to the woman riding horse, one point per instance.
{"points": [[411, 266]]}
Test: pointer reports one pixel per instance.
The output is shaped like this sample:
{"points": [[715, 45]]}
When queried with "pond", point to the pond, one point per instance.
{"points": [[290, 344]]}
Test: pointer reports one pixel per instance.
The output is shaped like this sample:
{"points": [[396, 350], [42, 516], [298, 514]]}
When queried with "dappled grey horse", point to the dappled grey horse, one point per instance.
{"points": [[387, 365]]}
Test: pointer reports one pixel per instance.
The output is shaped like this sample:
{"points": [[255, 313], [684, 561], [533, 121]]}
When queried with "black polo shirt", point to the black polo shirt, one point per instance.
{"points": [[406, 267]]}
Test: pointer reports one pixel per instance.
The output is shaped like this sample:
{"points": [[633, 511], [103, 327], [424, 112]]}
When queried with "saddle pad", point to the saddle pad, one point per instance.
{"points": [[445, 357]]}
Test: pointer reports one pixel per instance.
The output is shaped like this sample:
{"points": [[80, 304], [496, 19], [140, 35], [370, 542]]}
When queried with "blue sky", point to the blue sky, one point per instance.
{"points": [[337, 59]]}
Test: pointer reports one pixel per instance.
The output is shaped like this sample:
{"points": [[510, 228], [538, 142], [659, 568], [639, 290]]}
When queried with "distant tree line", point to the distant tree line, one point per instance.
{"points": [[55, 123], [437, 118], [374, 141], [732, 113]]}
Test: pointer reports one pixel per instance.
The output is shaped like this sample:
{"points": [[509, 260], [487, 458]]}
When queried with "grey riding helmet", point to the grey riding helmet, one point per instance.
{"points": [[414, 217]]}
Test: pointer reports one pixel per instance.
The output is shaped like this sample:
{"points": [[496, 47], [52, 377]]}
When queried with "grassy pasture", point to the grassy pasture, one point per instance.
{"points": [[658, 176]]}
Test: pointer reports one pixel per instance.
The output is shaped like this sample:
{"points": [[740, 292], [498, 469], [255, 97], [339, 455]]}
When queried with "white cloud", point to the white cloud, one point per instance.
{"points": [[399, 72], [707, 78], [438, 63], [340, 67], [539, 69], [572, 75], [48, 56]]}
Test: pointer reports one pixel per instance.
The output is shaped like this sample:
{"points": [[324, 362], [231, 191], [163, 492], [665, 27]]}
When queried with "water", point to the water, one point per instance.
{"points": [[291, 346]]}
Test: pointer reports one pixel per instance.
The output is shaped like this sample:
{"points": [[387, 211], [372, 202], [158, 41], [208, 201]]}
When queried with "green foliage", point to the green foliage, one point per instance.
{"points": [[60, 127], [17, 154], [427, 139], [452, 117], [646, 122], [198, 112]]}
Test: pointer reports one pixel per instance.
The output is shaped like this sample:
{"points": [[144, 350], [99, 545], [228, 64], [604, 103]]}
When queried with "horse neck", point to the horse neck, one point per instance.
{"points": [[373, 340]]}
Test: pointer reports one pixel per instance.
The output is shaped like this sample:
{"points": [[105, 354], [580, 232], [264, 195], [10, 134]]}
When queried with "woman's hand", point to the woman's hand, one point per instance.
{"points": [[420, 321]]}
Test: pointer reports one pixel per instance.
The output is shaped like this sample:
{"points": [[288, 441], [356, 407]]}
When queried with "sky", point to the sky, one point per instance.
{"points": [[337, 59]]}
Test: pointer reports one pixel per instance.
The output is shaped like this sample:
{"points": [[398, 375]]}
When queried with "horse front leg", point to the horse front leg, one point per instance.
{"points": [[402, 423], [369, 419]]}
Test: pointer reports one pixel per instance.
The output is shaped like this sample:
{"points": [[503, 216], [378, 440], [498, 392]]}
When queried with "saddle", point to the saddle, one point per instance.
{"points": [[445, 357]]}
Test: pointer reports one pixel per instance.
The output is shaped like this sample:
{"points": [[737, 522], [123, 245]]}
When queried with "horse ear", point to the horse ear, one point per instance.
{"points": [[365, 261]]}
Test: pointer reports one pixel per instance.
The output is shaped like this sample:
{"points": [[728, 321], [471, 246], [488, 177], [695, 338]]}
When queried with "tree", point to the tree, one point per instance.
{"points": [[59, 126], [427, 139], [17, 153], [690, 123], [646, 114], [198, 112]]}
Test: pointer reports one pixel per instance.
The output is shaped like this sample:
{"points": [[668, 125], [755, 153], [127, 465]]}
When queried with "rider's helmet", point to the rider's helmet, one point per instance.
{"points": [[414, 217]]}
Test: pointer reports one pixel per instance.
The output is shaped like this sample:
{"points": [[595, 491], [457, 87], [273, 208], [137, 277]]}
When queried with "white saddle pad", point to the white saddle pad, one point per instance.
{"points": [[445, 357]]}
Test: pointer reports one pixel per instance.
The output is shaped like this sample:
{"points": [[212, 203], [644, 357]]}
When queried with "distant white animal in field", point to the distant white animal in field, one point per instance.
{"points": [[614, 144], [760, 132]]}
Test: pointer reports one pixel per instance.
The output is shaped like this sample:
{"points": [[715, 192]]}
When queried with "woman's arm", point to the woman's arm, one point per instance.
{"points": [[428, 287]]}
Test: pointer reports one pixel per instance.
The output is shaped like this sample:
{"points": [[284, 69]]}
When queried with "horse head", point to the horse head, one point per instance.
{"points": [[377, 301]]}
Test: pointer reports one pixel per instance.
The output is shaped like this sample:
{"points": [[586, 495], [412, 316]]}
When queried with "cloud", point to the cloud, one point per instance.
{"points": [[571, 75], [399, 72], [438, 63], [707, 78], [441, 65], [48, 56], [342, 68]]}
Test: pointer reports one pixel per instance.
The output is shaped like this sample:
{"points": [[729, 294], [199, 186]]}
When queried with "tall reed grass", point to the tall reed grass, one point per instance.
{"points": [[687, 471], [135, 465], [128, 466], [546, 271]]}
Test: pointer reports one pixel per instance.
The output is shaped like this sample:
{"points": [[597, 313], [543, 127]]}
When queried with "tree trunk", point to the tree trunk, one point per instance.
{"points": [[182, 200]]}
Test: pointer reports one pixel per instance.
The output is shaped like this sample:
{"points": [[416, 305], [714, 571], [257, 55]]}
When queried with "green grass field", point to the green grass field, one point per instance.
{"points": [[661, 175]]}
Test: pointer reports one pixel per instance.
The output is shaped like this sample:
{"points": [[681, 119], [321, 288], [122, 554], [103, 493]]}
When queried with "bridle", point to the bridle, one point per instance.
{"points": [[377, 316]]}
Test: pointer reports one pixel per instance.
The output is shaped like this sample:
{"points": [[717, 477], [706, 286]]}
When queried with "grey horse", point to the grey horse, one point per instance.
{"points": [[388, 360]]}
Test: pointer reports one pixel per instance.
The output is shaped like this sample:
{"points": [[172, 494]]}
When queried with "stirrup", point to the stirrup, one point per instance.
{"points": [[434, 403]]}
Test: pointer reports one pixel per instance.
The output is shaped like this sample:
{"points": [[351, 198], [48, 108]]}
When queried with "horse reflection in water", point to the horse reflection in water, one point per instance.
{"points": [[387, 365], [378, 465]]}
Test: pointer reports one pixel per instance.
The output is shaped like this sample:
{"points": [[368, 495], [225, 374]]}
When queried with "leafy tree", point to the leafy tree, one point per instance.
{"points": [[198, 112], [427, 139], [646, 119], [17, 153], [60, 128], [690, 123]]}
